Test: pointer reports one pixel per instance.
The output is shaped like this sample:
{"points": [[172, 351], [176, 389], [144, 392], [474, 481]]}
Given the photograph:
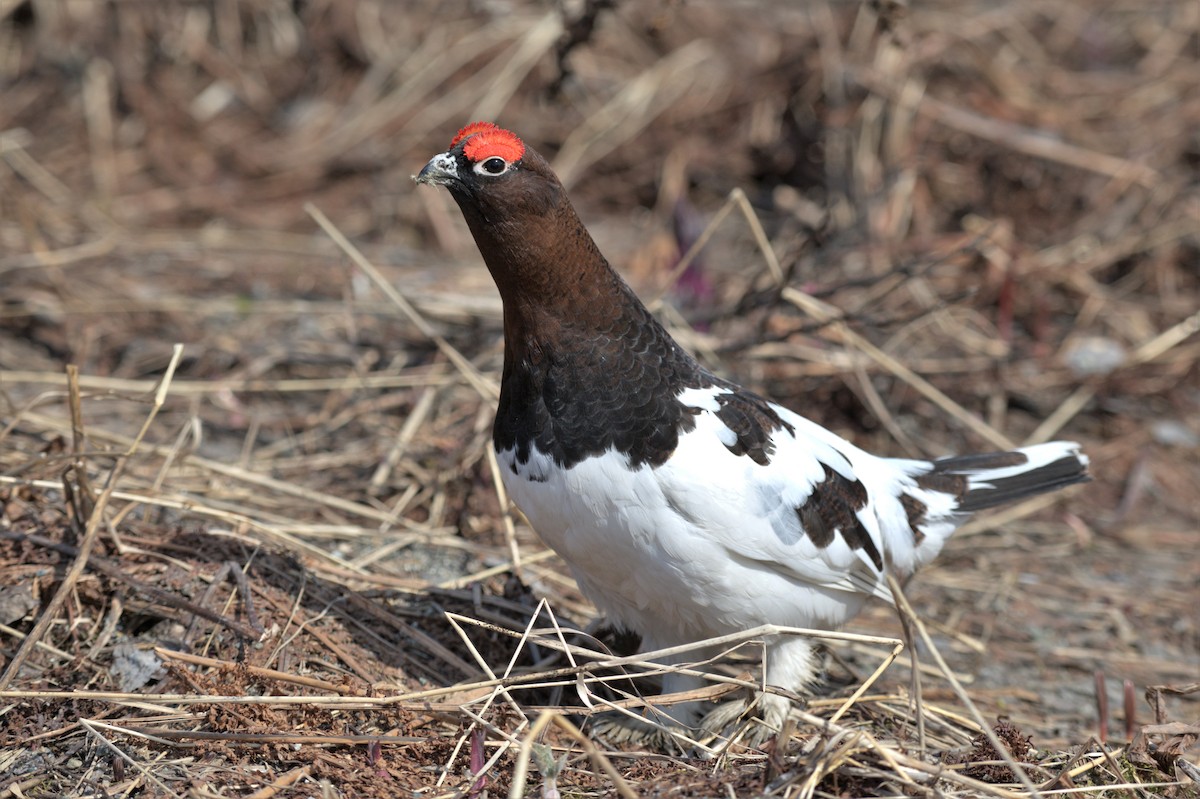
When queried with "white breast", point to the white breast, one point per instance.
{"points": [[707, 543]]}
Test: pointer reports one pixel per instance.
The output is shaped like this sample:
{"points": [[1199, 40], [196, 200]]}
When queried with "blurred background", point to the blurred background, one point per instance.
{"points": [[997, 204]]}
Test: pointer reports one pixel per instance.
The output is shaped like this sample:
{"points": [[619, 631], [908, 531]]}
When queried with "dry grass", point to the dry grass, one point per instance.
{"points": [[251, 542]]}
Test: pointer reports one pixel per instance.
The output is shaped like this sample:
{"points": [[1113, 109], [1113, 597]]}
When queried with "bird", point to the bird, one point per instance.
{"points": [[686, 506]]}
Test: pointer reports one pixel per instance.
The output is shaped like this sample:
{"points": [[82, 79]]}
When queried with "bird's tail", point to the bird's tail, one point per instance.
{"points": [[996, 478]]}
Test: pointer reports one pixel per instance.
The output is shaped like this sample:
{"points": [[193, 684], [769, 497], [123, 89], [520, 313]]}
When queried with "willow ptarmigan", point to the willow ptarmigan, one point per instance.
{"points": [[687, 506]]}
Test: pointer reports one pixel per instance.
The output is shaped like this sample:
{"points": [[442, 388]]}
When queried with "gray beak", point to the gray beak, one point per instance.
{"points": [[441, 170]]}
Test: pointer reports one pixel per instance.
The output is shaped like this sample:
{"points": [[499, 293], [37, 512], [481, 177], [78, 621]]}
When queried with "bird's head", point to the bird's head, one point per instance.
{"points": [[492, 174], [539, 253]]}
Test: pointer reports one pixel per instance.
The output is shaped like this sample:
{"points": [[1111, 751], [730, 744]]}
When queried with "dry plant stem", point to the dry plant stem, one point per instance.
{"points": [[190, 429], [232, 571], [75, 404], [480, 723], [599, 660], [1015, 137], [630, 110], [491, 571], [54, 190], [1120, 786], [736, 199], [286, 781], [653, 301], [16, 138], [42, 645], [995, 519], [915, 673], [898, 761], [499, 682], [162, 702], [94, 521], [548, 717], [19, 789], [760, 235], [823, 312], [258, 738], [487, 388], [1130, 705], [880, 409], [645, 661], [113, 571], [523, 55], [253, 478], [499, 690], [98, 114], [906, 610], [862, 689], [1111, 759], [67, 585], [76, 486], [1037, 143], [420, 98], [209, 387], [686, 335], [506, 511], [1145, 353], [411, 425], [94, 727], [580, 688], [1072, 771], [836, 751], [235, 519], [112, 619]]}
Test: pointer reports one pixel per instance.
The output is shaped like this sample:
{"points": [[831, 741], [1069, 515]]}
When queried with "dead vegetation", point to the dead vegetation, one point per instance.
{"points": [[252, 545]]}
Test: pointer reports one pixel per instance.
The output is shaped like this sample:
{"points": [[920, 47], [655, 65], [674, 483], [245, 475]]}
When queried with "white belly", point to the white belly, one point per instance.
{"points": [[662, 553]]}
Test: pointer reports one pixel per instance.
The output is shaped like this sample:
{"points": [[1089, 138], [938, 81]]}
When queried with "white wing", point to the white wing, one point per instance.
{"points": [[819, 510]]}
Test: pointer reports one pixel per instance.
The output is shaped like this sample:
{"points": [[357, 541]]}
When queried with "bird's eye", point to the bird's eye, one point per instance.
{"points": [[492, 166]]}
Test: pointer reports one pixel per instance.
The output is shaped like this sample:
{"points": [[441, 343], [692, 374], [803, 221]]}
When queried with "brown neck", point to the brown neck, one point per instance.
{"points": [[551, 276]]}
